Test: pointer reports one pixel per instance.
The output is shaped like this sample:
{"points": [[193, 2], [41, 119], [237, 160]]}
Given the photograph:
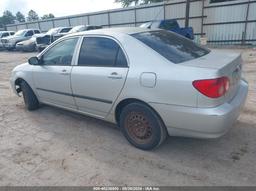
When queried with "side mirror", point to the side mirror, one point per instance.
{"points": [[34, 61]]}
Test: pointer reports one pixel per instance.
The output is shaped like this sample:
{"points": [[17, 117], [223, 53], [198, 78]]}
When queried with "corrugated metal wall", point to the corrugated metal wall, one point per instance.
{"points": [[229, 22]]}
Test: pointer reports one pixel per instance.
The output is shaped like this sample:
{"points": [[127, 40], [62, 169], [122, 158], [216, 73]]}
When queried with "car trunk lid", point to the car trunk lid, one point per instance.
{"points": [[221, 63]]}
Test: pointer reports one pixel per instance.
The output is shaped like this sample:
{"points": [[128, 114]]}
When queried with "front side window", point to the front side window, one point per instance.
{"points": [[101, 52], [172, 46], [29, 33], [60, 54]]}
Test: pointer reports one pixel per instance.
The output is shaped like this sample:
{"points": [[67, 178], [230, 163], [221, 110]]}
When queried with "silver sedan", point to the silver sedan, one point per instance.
{"points": [[151, 83]]}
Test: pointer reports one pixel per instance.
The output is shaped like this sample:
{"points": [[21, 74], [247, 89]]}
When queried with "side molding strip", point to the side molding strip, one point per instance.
{"points": [[77, 96]]}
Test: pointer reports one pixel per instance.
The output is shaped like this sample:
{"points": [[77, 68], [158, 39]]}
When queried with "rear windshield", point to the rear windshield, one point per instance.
{"points": [[172, 46]]}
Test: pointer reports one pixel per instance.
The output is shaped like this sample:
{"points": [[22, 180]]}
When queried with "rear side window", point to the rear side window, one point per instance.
{"points": [[172, 46], [65, 30], [120, 59], [169, 25], [101, 52]]}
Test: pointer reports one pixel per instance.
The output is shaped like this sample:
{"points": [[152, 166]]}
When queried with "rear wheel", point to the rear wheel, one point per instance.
{"points": [[141, 126], [30, 99]]}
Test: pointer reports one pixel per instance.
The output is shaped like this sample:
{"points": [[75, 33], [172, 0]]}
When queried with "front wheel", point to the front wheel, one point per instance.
{"points": [[30, 99], [142, 127]]}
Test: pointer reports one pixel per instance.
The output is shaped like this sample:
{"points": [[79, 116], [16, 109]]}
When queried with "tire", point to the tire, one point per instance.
{"points": [[30, 99], [142, 127]]}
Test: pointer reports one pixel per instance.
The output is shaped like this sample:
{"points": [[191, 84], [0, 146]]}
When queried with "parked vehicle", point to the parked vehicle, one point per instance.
{"points": [[63, 32], [170, 25], [176, 87], [81, 28], [45, 39], [27, 45], [10, 42], [4, 34]]}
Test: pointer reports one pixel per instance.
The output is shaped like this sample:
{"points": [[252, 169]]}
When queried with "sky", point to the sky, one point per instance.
{"points": [[57, 7]]}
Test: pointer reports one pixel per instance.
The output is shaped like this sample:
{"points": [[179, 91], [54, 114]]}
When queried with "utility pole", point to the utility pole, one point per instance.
{"points": [[187, 13]]}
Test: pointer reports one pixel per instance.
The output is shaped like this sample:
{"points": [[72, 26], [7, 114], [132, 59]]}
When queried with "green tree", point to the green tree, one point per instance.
{"points": [[126, 3], [20, 17], [7, 18], [47, 16], [32, 16]]}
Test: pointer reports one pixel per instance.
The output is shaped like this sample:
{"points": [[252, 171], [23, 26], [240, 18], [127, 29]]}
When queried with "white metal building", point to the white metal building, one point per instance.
{"points": [[221, 21]]}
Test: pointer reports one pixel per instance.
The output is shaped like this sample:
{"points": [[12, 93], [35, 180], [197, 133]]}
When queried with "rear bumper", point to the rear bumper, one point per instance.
{"points": [[202, 122]]}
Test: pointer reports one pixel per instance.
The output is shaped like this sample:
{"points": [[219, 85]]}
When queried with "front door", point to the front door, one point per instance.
{"points": [[52, 76], [99, 75]]}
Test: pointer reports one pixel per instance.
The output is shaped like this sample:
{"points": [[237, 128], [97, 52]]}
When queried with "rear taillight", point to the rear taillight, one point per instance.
{"points": [[212, 88]]}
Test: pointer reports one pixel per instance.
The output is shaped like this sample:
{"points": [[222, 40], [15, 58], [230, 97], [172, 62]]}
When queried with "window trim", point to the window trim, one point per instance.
{"points": [[101, 36], [55, 44]]}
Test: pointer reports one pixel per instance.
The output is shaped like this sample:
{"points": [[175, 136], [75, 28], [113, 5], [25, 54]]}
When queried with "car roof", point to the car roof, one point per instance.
{"points": [[109, 31]]}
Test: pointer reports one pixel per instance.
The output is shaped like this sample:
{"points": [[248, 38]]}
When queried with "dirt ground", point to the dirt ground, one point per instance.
{"points": [[59, 148]]}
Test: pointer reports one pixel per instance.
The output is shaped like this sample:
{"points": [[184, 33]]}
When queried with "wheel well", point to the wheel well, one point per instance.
{"points": [[17, 83], [125, 102]]}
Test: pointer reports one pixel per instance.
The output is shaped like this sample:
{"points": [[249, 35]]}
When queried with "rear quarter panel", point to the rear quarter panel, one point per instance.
{"points": [[173, 81]]}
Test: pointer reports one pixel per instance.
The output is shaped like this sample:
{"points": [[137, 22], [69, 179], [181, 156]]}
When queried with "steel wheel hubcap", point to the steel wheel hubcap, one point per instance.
{"points": [[138, 127]]}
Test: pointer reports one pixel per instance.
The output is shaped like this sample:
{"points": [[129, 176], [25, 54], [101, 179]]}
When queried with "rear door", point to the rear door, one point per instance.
{"points": [[99, 76], [52, 77]]}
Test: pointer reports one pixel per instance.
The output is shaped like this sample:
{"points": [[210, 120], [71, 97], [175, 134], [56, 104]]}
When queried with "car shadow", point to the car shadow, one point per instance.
{"points": [[237, 138]]}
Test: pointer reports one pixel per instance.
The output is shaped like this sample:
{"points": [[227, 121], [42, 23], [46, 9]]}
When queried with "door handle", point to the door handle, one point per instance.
{"points": [[64, 72], [115, 75]]}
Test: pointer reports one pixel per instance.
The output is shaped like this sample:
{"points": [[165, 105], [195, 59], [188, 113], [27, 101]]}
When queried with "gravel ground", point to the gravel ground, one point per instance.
{"points": [[59, 148]]}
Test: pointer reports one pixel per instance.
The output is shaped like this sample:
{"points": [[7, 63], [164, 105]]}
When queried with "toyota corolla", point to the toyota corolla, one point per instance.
{"points": [[151, 83]]}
